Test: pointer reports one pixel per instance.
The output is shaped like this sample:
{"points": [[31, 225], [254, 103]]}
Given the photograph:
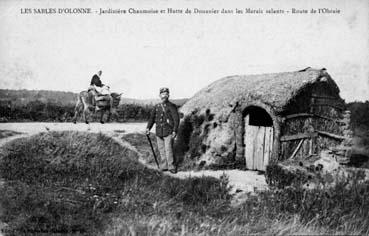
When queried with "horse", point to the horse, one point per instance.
{"points": [[85, 105]]}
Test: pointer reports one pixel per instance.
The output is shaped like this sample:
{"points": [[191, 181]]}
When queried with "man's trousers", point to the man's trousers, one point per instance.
{"points": [[165, 146]]}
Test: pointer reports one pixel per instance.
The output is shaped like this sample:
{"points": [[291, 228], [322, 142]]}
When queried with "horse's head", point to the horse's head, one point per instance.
{"points": [[116, 98]]}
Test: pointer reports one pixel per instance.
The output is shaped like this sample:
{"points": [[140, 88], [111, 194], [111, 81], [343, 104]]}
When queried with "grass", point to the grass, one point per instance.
{"points": [[142, 145], [62, 181], [342, 209], [68, 182]]}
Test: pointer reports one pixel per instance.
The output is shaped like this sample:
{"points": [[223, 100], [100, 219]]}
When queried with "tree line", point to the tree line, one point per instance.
{"points": [[359, 114], [40, 111], [55, 111], [58, 106]]}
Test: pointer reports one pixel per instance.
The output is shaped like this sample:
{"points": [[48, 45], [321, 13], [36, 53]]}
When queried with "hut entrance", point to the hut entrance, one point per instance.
{"points": [[258, 138]]}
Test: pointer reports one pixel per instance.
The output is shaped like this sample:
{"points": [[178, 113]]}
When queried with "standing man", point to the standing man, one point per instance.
{"points": [[165, 116]]}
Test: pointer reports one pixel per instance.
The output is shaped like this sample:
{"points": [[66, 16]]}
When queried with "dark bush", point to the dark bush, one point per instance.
{"points": [[343, 205], [198, 191], [278, 176], [359, 114]]}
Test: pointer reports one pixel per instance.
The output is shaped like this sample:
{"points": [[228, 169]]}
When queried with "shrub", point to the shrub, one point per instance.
{"points": [[338, 207], [359, 111], [194, 191], [279, 176], [342, 209]]}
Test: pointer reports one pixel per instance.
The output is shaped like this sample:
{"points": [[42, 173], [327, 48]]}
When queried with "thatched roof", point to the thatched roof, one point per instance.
{"points": [[275, 90]]}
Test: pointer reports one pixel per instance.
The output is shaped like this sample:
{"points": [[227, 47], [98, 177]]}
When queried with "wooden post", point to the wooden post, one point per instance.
{"points": [[247, 143], [312, 140], [311, 128], [312, 103], [297, 149], [259, 148]]}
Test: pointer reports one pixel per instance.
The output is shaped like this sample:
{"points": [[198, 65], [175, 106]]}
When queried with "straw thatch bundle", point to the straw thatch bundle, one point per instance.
{"points": [[221, 107], [275, 90]]}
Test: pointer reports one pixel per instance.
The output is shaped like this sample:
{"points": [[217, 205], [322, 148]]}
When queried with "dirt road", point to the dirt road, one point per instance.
{"points": [[242, 181], [37, 127]]}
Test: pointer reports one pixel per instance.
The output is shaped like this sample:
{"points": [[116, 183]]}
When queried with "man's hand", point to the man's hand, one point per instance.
{"points": [[147, 132], [174, 134]]}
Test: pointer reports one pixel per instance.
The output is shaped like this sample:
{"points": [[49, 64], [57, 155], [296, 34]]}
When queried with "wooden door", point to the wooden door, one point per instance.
{"points": [[258, 145]]}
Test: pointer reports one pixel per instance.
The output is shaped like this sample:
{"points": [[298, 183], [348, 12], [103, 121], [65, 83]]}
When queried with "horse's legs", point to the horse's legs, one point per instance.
{"points": [[86, 115], [101, 116], [74, 119], [86, 111], [77, 111], [110, 108], [112, 114], [109, 115]]}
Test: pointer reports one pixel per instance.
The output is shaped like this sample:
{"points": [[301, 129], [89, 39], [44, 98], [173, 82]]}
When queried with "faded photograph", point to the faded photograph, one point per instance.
{"points": [[184, 118]]}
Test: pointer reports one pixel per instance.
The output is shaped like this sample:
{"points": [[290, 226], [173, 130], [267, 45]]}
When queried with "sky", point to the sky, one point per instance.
{"points": [[139, 53]]}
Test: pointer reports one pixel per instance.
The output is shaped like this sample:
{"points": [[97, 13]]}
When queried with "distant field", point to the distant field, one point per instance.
{"points": [[22, 97], [58, 106]]}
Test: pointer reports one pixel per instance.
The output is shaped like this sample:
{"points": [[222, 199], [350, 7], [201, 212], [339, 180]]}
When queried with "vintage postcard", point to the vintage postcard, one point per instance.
{"points": [[184, 117]]}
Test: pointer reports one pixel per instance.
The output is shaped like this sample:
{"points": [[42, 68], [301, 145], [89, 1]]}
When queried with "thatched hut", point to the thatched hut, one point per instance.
{"points": [[253, 120]]}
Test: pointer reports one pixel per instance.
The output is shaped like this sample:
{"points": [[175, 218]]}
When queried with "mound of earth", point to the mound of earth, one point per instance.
{"points": [[64, 181], [76, 182], [140, 142]]}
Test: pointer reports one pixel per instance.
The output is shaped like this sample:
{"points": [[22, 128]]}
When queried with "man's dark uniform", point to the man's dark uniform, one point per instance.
{"points": [[166, 120]]}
